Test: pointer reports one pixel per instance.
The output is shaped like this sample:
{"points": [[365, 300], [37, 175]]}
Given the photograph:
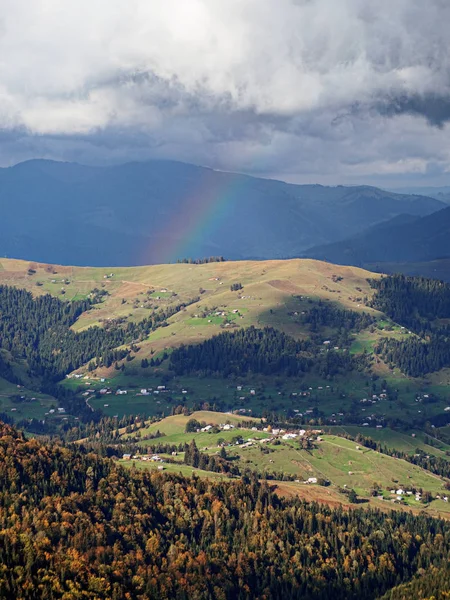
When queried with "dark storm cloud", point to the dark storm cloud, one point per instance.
{"points": [[434, 108], [332, 91]]}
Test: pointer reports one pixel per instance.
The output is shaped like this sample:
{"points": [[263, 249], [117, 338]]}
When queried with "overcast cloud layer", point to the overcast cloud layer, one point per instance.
{"points": [[306, 90]]}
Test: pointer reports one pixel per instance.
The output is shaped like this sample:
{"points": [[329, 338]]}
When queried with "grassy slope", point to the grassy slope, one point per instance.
{"points": [[341, 461], [270, 296]]}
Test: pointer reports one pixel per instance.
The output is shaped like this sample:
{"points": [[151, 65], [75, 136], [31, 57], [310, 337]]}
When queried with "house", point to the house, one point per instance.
{"points": [[311, 480], [207, 428], [61, 410], [144, 392], [121, 392], [400, 492], [126, 456]]}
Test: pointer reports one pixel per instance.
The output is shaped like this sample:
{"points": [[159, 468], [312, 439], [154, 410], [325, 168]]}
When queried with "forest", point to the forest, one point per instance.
{"points": [[39, 331], [420, 305], [90, 529], [266, 351]]}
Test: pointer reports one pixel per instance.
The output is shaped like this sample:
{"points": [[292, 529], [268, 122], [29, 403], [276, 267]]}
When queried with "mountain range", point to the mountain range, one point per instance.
{"points": [[396, 245], [161, 211]]}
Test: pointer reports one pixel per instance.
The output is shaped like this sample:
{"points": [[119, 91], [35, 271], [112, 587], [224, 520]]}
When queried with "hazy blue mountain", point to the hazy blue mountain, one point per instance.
{"points": [[404, 239], [440, 193], [158, 211]]}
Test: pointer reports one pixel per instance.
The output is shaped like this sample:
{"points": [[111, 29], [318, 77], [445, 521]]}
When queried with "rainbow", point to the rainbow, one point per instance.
{"points": [[200, 212]]}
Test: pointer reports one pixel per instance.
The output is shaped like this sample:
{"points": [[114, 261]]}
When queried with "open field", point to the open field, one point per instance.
{"points": [[399, 440], [333, 400], [20, 402], [337, 460]]}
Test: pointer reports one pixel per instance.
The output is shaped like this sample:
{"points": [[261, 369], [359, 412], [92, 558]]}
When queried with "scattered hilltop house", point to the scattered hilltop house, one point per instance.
{"points": [[61, 410], [289, 436], [144, 392], [311, 480], [161, 387], [206, 428], [126, 456], [121, 392], [400, 492], [227, 427]]}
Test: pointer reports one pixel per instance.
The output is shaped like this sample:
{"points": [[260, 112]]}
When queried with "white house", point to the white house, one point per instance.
{"points": [[311, 480]]}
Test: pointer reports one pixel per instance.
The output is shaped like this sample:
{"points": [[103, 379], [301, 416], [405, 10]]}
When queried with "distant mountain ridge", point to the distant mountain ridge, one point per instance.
{"points": [[159, 211], [404, 239]]}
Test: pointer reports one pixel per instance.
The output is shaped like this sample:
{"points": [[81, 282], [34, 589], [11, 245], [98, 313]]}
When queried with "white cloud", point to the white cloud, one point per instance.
{"points": [[235, 82]]}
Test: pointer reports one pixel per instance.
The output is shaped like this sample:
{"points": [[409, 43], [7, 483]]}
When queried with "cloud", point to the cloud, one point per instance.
{"points": [[301, 87]]}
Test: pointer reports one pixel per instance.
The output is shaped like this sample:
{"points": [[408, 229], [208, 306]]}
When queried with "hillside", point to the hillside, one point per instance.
{"points": [[401, 241], [123, 328], [160, 211], [295, 455], [89, 528]]}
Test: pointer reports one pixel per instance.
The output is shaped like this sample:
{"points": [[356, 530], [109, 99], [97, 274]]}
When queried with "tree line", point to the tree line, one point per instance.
{"points": [[418, 304], [266, 351]]}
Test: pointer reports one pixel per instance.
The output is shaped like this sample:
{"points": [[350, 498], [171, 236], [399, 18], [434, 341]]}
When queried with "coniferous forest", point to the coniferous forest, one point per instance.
{"points": [[421, 305], [266, 351], [89, 529]]}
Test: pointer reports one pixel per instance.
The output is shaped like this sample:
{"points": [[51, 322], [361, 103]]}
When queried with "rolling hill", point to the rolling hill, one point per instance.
{"points": [[405, 240], [190, 304], [161, 211]]}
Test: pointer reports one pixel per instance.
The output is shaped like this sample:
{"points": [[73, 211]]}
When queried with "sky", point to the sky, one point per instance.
{"points": [[308, 91]]}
